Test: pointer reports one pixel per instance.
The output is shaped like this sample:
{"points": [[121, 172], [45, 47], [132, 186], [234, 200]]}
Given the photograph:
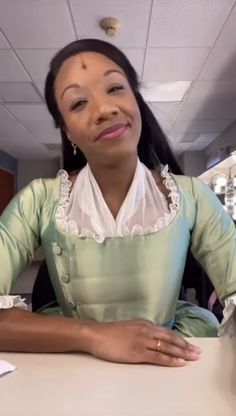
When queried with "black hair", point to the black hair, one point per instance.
{"points": [[153, 147]]}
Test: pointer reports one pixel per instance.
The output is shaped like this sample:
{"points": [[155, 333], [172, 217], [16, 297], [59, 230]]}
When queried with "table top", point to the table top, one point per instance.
{"points": [[68, 384]]}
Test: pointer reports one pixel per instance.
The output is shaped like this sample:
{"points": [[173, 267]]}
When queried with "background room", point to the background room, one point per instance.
{"points": [[185, 56]]}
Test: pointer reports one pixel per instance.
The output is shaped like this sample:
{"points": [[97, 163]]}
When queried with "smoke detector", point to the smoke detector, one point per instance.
{"points": [[110, 25]]}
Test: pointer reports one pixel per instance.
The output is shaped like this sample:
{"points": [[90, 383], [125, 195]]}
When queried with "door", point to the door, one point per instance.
{"points": [[7, 188]]}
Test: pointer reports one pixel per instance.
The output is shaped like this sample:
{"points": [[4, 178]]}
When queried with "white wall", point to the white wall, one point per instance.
{"points": [[31, 169]]}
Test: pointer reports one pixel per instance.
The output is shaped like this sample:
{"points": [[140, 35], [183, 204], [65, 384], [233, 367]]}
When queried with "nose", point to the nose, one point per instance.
{"points": [[104, 111]]}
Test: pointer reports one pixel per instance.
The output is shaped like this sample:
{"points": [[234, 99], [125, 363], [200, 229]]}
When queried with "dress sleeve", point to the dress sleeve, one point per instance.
{"points": [[213, 244], [19, 234], [213, 241]]}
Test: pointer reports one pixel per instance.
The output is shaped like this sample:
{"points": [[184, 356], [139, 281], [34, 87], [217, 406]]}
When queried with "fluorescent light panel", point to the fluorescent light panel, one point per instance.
{"points": [[164, 91]]}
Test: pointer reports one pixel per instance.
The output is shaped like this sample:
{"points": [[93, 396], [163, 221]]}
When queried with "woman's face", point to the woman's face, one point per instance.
{"points": [[98, 107]]}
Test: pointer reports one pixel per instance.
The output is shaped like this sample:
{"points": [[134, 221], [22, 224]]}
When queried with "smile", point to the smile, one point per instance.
{"points": [[113, 133]]}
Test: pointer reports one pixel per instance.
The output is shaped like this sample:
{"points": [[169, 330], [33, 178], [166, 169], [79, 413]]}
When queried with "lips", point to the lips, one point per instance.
{"points": [[112, 132]]}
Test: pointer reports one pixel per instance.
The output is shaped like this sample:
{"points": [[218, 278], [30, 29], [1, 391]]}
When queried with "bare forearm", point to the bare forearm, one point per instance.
{"points": [[29, 332]]}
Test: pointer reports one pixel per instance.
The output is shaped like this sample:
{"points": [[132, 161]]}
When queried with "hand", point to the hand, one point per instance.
{"points": [[140, 342]]}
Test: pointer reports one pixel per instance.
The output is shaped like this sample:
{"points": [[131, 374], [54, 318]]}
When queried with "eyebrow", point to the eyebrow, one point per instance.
{"points": [[70, 86], [108, 72]]}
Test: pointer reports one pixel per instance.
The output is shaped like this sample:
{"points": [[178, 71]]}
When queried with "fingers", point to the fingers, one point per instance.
{"points": [[152, 357], [163, 334], [163, 347]]}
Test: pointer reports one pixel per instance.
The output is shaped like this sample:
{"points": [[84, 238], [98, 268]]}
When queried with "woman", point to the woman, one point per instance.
{"points": [[116, 233]]}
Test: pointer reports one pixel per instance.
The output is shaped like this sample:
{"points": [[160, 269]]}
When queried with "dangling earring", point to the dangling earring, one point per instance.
{"points": [[75, 148]]}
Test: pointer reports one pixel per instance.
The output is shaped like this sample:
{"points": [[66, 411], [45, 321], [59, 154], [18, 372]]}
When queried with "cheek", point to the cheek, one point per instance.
{"points": [[75, 126], [137, 121]]}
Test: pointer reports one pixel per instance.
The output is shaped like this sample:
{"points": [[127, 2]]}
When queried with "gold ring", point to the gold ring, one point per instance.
{"points": [[158, 345]]}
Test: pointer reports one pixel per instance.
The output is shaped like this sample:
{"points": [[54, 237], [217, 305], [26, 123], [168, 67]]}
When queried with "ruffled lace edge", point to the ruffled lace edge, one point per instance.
{"points": [[70, 226], [10, 301], [228, 324]]}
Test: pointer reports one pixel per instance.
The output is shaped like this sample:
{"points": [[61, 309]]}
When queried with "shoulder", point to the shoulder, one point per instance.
{"points": [[44, 187], [167, 181], [205, 200], [38, 193], [192, 185]]}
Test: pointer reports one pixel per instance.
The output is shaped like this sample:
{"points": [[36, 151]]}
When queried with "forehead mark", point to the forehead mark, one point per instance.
{"points": [[83, 64]]}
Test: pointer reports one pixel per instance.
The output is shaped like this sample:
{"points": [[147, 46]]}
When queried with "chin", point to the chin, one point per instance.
{"points": [[119, 156]]}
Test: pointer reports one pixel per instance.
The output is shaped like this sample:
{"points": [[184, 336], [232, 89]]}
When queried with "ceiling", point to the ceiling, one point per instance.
{"points": [[226, 168], [166, 40]]}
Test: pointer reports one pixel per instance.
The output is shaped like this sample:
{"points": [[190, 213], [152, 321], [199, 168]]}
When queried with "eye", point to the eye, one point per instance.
{"points": [[115, 88], [78, 104]]}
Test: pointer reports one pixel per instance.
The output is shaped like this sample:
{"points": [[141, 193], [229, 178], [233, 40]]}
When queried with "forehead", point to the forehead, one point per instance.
{"points": [[84, 66]]}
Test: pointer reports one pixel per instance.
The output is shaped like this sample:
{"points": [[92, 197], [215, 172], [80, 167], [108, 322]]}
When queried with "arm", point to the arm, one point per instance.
{"points": [[19, 237], [29, 332], [214, 240]]}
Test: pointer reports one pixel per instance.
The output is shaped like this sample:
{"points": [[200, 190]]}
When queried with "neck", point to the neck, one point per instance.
{"points": [[114, 182]]}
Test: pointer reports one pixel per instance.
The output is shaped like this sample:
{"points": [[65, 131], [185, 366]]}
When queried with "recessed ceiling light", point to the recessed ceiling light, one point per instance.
{"points": [[164, 91]]}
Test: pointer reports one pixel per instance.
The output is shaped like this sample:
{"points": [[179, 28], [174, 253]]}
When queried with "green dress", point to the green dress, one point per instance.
{"points": [[123, 278]]}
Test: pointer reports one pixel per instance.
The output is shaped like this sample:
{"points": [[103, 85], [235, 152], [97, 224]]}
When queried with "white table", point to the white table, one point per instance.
{"points": [[81, 385]]}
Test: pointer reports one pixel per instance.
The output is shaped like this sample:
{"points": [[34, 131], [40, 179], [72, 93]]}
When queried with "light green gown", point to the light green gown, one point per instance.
{"points": [[123, 278]]}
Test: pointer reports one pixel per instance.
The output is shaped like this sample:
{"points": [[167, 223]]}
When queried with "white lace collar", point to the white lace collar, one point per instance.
{"points": [[84, 212]]}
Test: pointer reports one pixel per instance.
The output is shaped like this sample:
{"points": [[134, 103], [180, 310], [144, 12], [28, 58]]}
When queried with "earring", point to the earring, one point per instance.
{"points": [[75, 148]]}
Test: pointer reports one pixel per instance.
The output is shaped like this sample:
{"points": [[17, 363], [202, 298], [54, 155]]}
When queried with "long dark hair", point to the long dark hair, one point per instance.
{"points": [[153, 147]]}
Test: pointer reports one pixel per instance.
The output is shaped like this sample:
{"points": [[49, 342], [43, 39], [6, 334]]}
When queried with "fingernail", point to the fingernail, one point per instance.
{"points": [[193, 355]]}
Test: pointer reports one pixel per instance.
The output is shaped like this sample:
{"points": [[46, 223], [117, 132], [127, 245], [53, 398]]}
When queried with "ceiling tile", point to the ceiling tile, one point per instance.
{"points": [[179, 137], [227, 36], [220, 65], [9, 127], [36, 61], [170, 110], [198, 146], [29, 112], [10, 68], [164, 91], [203, 140], [40, 87], [207, 138], [36, 24], [16, 140], [27, 148], [44, 131], [136, 58], [3, 42], [165, 113], [173, 64], [210, 110], [179, 148], [189, 23], [205, 91], [16, 92], [88, 13], [199, 126]]}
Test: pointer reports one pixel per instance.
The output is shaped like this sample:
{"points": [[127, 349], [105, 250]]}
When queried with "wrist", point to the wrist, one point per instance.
{"points": [[85, 336]]}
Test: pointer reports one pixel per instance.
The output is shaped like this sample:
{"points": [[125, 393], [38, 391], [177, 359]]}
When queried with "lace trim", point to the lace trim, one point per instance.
{"points": [[64, 223], [8, 302]]}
